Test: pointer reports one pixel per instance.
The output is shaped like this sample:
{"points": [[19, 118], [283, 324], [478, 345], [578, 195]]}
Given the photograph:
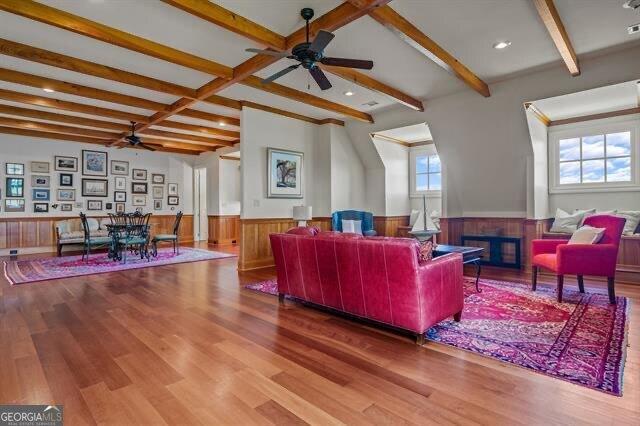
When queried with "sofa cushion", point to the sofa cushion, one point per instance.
{"points": [[99, 233], [336, 234], [633, 219], [104, 221], [547, 260], [304, 230], [352, 226], [71, 236], [566, 222], [93, 224]]}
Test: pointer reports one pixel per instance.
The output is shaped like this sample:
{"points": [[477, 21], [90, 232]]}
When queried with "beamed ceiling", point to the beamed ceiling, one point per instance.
{"points": [[179, 68]]}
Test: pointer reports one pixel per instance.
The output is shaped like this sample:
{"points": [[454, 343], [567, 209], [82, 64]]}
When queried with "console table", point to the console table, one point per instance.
{"points": [[495, 249]]}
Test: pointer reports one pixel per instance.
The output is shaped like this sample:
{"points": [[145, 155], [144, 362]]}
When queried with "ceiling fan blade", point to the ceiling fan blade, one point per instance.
{"points": [[348, 63], [323, 38], [279, 74], [267, 52], [147, 147], [320, 78]]}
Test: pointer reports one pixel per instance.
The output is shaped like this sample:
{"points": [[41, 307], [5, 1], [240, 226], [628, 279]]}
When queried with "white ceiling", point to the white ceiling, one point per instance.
{"points": [[466, 28], [414, 133]]}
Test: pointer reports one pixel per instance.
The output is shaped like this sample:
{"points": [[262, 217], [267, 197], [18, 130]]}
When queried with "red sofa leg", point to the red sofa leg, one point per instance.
{"points": [[420, 340], [281, 298], [560, 285], [612, 290], [534, 278], [581, 283], [457, 317]]}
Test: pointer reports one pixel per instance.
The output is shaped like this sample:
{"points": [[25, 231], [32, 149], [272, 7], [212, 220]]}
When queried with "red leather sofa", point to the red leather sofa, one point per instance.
{"points": [[376, 278]]}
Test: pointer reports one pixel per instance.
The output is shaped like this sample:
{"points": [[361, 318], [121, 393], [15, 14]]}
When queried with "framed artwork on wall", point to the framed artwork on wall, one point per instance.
{"points": [[40, 194], [157, 204], [120, 196], [94, 204], [40, 181], [40, 167], [120, 208], [139, 200], [172, 189], [120, 183], [284, 173], [108, 206], [173, 200], [41, 207], [14, 187], [95, 187], [14, 169], [157, 178], [66, 207], [66, 195], [66, 179], [94, 163], [139, 174], [65, 164], [139, 188], [119, 167], [14, 205], [158, 192]]}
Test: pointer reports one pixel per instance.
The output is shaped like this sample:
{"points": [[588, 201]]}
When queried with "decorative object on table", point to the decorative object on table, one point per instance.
{"points": [[157, 178], [120, 208], [91, 240], [139, 174], [40, 167], [66, 207], [95, 187], [172, 189], [40, 181], [14, 205], [119, 167], [169, 238], [14, 187], [157, 204], [66, 195], [94, 204], [65, 164], [139, 188], [120, 183], [66, 179], [14, 169], [158, 192], [94, 163], [173, 201], [120, 196], [365, 218], [424, 229], [139, 200], [598, 259], [108, 206], [40, 207], [284, 173], [302, 214], [38, 194]]}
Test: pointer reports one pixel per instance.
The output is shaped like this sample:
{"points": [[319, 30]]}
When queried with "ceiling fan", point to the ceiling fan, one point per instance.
{"points": [[308, 54], [136, 141]]}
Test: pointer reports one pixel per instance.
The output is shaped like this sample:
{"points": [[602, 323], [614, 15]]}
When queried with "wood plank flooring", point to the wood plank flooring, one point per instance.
{"points": [[186, 344]]}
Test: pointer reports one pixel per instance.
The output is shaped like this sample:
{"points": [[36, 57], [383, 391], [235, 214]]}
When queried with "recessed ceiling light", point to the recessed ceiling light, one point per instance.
{"points": [[502, 44], [348, 93], [46, 89], [222, 124]]}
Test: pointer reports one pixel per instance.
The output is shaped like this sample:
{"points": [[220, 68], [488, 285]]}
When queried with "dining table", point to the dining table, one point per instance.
{"points": [[117, 231]]}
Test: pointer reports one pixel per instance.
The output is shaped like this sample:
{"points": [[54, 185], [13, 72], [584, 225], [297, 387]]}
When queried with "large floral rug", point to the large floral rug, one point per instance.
{"points": [[582, 340], [51, 268]]}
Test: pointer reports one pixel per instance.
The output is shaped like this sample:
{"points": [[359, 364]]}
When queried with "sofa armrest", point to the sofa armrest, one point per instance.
{"points": [[545, 246], [588, 259]]}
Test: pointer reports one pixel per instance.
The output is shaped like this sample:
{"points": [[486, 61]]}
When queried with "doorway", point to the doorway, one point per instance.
{"points": [[201, 219]]}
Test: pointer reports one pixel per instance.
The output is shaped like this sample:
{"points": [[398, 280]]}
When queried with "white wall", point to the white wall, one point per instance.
{"points": [[22, 149], [537, 169], [230, 193], [395, 159], [348, 181]]}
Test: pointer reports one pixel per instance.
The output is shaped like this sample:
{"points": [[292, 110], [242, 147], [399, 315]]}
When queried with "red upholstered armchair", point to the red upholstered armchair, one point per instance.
{"points": [[581, 259]]}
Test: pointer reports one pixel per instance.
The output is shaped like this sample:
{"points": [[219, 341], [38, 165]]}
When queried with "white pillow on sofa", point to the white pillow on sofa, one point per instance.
{"points": [[633, 218], [587, 235], [566, 222], [352, 226], [586, 213]]}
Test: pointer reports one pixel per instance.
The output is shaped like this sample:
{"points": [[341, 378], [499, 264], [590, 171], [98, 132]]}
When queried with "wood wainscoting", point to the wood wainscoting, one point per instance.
{"points": [[38, 235], [224, 229], [388, 226]]}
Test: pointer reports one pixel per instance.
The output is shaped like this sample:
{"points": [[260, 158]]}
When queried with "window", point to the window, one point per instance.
{"points": [[426, 173]]}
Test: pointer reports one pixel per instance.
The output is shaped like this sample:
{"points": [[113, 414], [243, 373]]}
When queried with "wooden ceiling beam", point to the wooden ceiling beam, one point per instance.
{"points": [[552, 21], [182, 137], [590, 117], [528, 106], [56, 128], [178, 145], [415, 38]]}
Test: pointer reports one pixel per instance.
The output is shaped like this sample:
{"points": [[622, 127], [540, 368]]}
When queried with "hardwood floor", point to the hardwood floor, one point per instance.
{"points": [[186, 344]]}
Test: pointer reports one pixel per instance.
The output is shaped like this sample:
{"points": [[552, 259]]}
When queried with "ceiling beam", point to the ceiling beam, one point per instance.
{"points": [[290, 114], [79, 25], [183, 137], [415, 38], [551, 19], [628, 111], [528, 106], [55, 128], [228, 157]]}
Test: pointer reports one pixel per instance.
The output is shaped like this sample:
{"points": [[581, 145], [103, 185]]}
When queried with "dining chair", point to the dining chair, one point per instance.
{"points": [[172, 238], [90, 241]]}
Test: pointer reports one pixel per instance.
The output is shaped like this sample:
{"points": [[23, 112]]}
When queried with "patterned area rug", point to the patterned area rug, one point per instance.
{"points": [[51, 268], [582, 340]]}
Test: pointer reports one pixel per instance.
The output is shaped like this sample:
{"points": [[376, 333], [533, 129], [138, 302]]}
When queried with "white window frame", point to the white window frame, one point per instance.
{"points": [[413, 153], [589, 129]]}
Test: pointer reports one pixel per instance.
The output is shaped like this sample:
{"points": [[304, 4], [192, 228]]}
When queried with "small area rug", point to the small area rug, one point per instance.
{"points": [[582, 340], [51, 268]]}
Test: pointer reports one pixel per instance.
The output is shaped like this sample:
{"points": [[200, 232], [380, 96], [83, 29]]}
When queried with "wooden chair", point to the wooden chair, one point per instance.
{"points": [[172, 238], [91, 241], [136, 237]]}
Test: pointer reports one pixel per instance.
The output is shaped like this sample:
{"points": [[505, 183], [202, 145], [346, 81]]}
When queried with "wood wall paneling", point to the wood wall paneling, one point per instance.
{"points": [[388, 226], [224, 229]]}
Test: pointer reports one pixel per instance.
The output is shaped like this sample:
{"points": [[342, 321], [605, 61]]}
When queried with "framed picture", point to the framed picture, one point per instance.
{"points": [[108, 206], [173, 200], [39, 167], [157, 204], [65, 164], [94, 204], [14, 169], [94, 163], [14, 188], [284, 168], [66, 179], [40, 194], [120, 207], [139, 188], [40, 207], [13, 206], [66, 207], [119, 167], [172, 189], [157, 178], [40, 181], [139, 200], [120, 183], [139, 174], [120, 196], [158, 192], [66, 195], [79, 205], [95, 187]]}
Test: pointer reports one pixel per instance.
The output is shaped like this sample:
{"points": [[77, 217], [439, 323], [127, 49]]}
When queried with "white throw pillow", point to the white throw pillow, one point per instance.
{"points": [[633, 218], [566, 222], [352, 226], [414, 216], [586, 213], [587, 235]]}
